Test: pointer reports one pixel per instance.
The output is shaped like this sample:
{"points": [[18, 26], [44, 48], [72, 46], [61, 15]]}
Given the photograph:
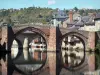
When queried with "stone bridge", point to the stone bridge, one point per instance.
{"points": [[53, 37], [45, 30]]}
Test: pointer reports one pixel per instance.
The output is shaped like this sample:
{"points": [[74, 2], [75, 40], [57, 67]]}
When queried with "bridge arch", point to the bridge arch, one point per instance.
{"points": [[77, 33], [83, 40], [33, 29], [30, 30]]}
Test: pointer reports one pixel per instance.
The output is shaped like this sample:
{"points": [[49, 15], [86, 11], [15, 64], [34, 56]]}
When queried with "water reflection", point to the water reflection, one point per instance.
{"points": [[14, 49], [72, 51], [33, 54]]}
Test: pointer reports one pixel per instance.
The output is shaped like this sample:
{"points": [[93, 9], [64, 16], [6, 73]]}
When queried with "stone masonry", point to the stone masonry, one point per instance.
{"points": [[51, 47]]}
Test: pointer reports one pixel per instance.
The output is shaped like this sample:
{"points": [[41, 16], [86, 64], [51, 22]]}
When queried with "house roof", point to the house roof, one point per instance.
{"points": [[88, 20], [59, 14], [92, 23], [79, 24], [85, 18], [97, 16]]}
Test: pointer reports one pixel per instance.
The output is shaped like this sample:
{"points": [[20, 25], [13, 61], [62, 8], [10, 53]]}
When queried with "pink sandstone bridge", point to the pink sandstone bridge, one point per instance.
{"points": [[53, 37]]}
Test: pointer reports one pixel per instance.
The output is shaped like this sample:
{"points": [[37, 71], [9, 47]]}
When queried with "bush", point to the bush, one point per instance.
{"points": [[97, 55]]}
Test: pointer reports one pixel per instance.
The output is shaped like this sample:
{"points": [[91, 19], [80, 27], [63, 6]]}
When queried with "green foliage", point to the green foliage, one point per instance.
{"points": [[36, 14], [67, 11], [98, 45], [27, 15], [75, 8], [97, 53], [7, 20], [81, 12], [44, 21]]}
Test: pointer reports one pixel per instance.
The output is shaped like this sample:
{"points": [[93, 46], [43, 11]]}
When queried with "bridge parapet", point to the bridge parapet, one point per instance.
{"points": [[44, 28]]}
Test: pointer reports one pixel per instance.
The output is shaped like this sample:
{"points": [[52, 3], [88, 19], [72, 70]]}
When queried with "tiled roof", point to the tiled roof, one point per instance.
{"points": [[59, 14], [79, 24], [85, 18], [90, 23], [88, 20], [97, 16], [71, 23]]}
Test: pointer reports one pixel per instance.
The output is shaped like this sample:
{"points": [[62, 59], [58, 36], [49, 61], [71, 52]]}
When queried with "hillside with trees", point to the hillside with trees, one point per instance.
{"points": [[37, 14], [27, 15]]}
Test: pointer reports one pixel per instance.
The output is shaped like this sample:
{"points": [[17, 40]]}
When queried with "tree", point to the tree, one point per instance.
{"points": [[40, 16], [67, 11], [8, 21], [76, 9], [97, 54], [98, 45], [81, 12]]}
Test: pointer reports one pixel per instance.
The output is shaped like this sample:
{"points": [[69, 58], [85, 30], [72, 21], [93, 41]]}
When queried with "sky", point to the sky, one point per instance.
{"points": [[61, 4]]}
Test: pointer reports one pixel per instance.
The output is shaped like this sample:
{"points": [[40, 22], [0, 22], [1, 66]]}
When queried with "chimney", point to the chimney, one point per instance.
{"points": [[71, 16]]}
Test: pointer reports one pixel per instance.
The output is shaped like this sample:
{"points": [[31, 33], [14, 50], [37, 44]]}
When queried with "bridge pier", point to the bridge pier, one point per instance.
{"points": [[3, 43], [52, 51], [91, 45]]}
